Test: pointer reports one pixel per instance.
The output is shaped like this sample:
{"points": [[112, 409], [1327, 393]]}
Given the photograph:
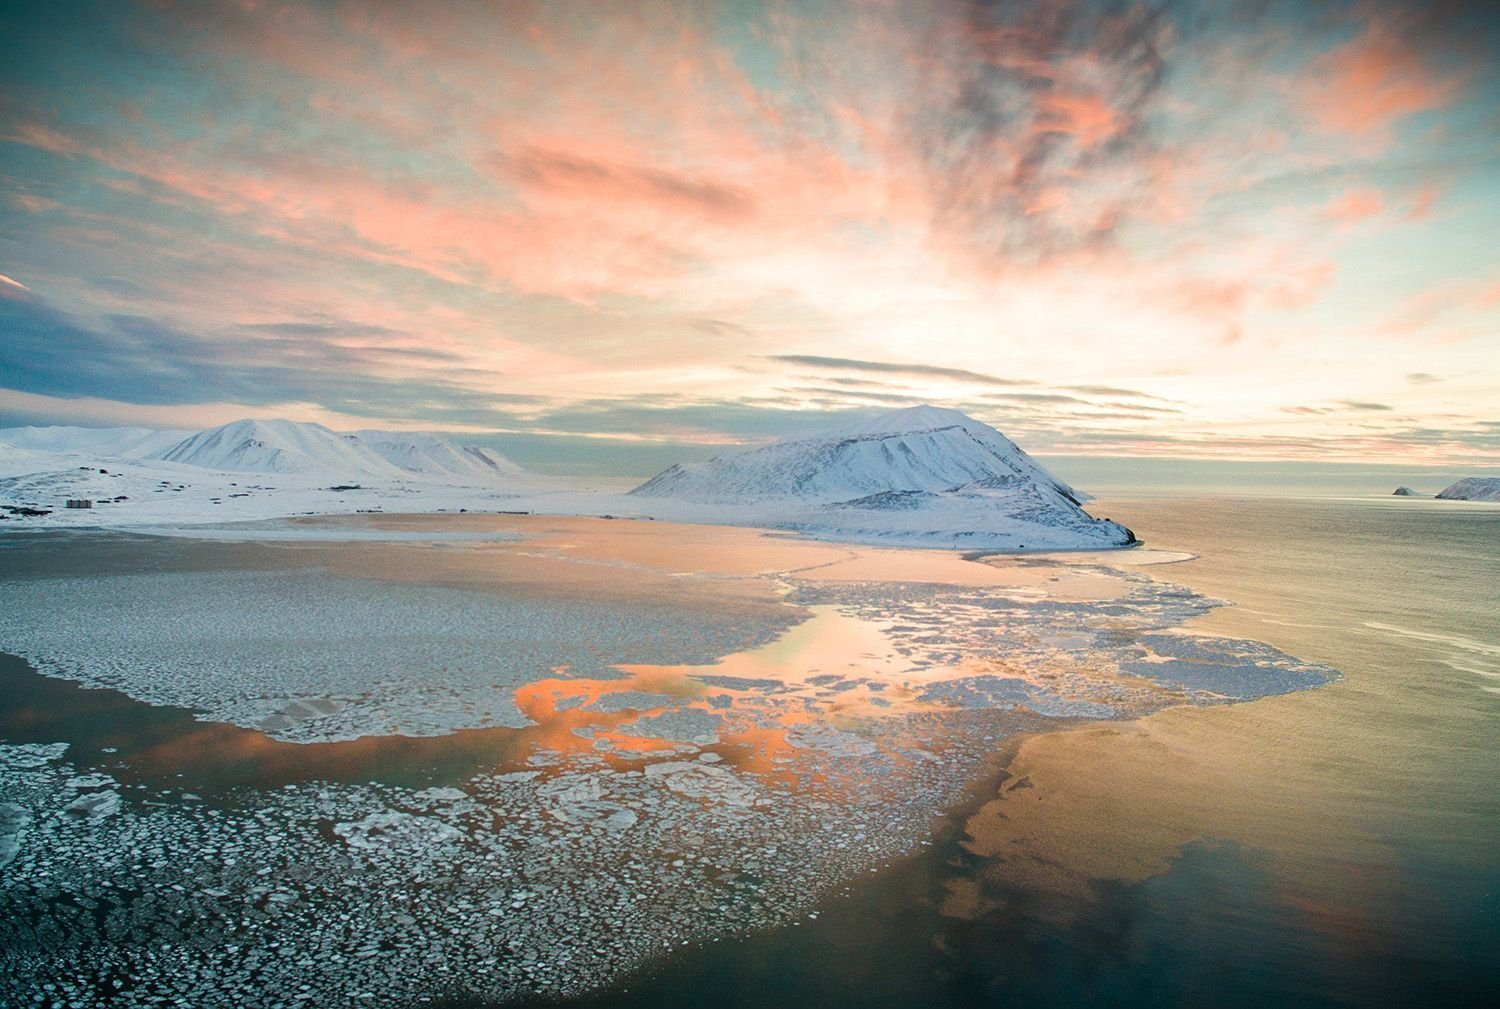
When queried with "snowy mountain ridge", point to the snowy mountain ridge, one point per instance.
{"points": [[429, 455], [105, 442], [275, 446], [242, 471], [278, 446]]}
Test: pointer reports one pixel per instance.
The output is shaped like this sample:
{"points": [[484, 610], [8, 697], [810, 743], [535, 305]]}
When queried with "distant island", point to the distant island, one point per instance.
{"points": [[1474, 488], [1404, 492]]}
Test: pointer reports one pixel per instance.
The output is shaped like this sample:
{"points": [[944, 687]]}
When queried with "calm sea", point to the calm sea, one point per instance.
{"points": [[1336, 847]]}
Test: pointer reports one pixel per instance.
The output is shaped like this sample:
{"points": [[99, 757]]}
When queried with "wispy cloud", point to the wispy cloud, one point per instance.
{"points": [[895, 368]]}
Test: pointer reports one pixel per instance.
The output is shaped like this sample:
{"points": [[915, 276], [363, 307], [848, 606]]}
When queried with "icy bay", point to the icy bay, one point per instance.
{"points": [[522, 760]]}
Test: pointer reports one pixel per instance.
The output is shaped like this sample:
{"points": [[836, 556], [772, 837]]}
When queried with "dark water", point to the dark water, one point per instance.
{"points": [[1339, 847]]}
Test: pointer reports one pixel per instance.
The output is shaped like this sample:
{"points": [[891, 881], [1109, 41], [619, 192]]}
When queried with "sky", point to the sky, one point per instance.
{"points": [[1250, 230]]}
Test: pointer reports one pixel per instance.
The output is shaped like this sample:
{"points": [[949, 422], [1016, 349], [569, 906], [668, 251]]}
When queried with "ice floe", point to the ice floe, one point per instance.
{"points": [[307, 657]]}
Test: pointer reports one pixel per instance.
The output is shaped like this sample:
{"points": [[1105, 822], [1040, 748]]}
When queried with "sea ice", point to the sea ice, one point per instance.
{"points": [[308, 657], [702, 781], [394, 831], [93, 805], [557, 867], [13, 823]]}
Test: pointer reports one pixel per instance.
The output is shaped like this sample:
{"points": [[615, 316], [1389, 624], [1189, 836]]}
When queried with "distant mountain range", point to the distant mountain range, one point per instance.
{"points": [[278, 446], [923, 476]]}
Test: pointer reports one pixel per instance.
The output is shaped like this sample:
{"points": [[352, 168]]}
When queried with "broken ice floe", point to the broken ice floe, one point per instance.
{"points": [[13, 823], [1208, 668], [93, 806], [703, 781], [395, 832], [687, 725]]}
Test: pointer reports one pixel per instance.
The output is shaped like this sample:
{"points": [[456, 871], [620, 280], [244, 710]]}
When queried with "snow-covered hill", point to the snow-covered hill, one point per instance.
{"points": [[284, 446], [103, 442], [1474, 488], [429, 455], [14, 459], [920, 475], [249, 469], [278, 446], [923, 448]]}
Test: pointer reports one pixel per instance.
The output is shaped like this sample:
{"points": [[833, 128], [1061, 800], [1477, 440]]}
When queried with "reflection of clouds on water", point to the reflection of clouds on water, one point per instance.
{"points": [[682, 801]]}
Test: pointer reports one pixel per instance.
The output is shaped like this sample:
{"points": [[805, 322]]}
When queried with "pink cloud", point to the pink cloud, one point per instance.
{"points": [[1423, 201], [1449, 311], [34, 204], [1088, 118], [1356, 205], [1368, 84], [580, 177]]}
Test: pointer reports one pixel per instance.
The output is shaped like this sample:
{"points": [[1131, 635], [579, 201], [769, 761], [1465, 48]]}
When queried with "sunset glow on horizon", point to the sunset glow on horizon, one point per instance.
{"points": [[1253, 230]]}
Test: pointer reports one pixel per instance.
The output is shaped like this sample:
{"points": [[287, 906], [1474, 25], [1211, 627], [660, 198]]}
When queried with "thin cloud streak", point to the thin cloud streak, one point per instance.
{"points": [[895, 368]]}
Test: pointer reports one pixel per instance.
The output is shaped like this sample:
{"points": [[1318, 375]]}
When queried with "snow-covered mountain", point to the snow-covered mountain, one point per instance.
{"points": [[104, 442], [248, 469], [920, 475], [284, 446], [1474, 488], [14, 459], [920, 449], [278, 446], [429, 455]]}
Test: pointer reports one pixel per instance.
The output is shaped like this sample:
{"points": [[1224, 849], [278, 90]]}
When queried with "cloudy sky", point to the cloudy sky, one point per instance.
{"points": [[1222, 230]]}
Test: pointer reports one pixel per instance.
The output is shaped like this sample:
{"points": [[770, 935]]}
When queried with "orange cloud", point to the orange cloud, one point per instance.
{"points": [[1086, 117], [1447, 312], [1424, 200], [581, 177], [1356, 205], [1368, 84]]}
